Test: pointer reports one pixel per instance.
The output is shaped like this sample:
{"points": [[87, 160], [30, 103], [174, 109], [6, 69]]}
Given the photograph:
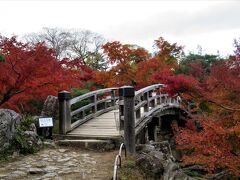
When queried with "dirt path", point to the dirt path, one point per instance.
{"points": [[61, 163]]}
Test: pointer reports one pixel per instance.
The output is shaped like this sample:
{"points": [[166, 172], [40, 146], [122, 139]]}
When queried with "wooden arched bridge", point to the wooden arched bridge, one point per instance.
{"points": [[114, 113]]}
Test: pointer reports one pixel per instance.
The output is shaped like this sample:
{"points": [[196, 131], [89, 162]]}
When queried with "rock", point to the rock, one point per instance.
{"points": [[169, 170], [156, 162], [65, 171], [44, 155], [70, 164], [33, 140], [50, 107], [50, 169], [15, 154], [17, 174], [145, 148], [3, 176], [150, 165], [62, 150], [41, 165], [50, 175], [63, 160], [157, 154], [35, 171], [9, 121], [50, 143], [33, 128]]}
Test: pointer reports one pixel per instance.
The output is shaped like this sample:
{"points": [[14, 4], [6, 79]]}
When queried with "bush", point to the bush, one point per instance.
{"points": [[22, 141]]}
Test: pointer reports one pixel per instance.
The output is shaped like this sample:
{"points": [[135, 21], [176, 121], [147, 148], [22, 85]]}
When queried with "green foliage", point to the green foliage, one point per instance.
{"points": [[37, 106], [192, 173], [204, 107], [4, 155], [26, 121], [79, 92], [96, 61], [2, 59], [20, 140], [206, 59], [182, 69], [21, 143]]}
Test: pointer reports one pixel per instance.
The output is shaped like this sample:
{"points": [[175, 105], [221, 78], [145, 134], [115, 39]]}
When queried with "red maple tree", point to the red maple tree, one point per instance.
{"points": [[31, 73], [217, 145]]}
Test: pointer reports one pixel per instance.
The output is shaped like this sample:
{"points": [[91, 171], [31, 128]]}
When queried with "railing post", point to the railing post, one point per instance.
{"points": [[146, 98], [64, 112], [94, 100], [129, 119], [159, 98], [121, 109], [113, 98]]}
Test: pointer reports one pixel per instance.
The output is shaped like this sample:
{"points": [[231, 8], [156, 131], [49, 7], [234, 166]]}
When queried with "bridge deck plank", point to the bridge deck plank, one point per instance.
{"points": [[101, 126]]}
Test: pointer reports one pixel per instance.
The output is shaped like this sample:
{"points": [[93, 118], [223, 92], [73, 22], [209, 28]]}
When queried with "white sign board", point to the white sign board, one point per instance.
{"points": [[46, 122]]}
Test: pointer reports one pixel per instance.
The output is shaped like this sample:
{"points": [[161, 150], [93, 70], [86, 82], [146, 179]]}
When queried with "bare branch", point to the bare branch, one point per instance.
{"points": [[223, 106]]}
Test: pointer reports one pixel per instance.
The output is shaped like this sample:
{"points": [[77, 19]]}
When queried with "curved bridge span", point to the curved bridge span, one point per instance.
{"points": [[113, 113]]}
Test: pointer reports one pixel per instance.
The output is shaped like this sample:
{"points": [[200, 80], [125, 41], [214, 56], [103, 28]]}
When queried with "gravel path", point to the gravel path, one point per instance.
{"points": [[60, 163]]}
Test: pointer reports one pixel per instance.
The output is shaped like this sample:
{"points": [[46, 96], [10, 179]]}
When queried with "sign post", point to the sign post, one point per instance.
{"points": [[46, 125]]}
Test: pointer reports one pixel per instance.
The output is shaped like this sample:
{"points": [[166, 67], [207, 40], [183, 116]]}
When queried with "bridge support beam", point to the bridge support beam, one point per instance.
{"points": [[129, 118], [64, 112]]}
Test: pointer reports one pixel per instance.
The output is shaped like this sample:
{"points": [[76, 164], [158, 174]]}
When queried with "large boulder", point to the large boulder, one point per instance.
{"points": [[157, 162], [32, 141], [9, 121], [50, 107], [150, 165]]}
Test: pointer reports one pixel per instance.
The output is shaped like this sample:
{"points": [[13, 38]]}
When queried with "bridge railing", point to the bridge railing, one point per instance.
{"points": [[76, 111], [136, 107], [146, 99], [132, 105]]}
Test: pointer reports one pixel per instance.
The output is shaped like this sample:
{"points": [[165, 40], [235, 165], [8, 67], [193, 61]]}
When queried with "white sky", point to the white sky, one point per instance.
{"points": [[211, 24]]}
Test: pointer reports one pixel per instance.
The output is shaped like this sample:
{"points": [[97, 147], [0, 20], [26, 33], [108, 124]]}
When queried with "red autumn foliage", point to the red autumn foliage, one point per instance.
{"points": [[125, 59], [214, 147], [167, 52], [217, 146], [32, 73], [133, 65], [118, 53], [178, 84], [213, 87]]}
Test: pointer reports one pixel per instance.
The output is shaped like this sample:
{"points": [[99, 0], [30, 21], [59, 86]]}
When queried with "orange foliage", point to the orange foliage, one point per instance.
{"points": [[133, 65]]}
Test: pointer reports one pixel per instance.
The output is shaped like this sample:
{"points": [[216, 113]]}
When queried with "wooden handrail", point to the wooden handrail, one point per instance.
{"points": [[148, 88], [150, 99], [67, 114], [145, 102], [90, 94]]}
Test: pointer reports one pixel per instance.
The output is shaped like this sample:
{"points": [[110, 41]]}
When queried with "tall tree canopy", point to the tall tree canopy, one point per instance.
{"points": [[216, 97], [32, 73], [133, 65]]}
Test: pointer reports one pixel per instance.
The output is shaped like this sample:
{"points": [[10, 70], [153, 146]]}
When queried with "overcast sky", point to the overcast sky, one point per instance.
{"points": [[211, 24]]}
